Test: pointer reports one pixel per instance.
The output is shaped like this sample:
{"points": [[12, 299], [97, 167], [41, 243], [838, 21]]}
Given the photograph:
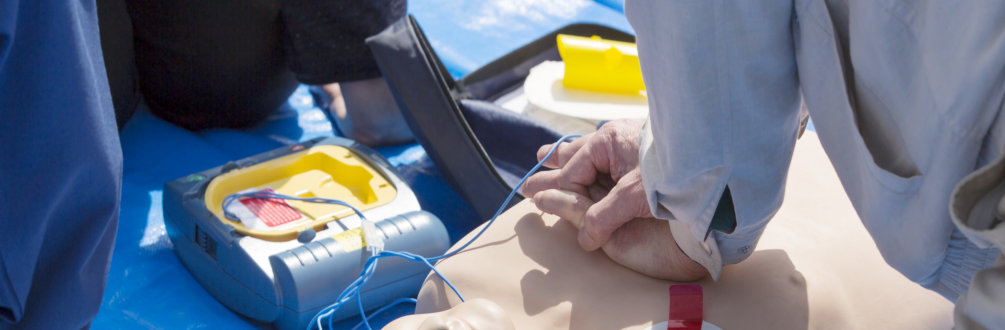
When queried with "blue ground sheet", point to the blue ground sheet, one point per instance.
{"points": [[148, 287]]}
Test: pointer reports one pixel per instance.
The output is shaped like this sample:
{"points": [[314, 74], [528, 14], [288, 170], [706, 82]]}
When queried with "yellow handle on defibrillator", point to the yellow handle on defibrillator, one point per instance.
{"points": [[599, 65]]}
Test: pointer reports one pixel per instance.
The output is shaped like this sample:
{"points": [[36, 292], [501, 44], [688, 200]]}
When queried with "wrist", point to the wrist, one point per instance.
{"points": [[646, 245]]}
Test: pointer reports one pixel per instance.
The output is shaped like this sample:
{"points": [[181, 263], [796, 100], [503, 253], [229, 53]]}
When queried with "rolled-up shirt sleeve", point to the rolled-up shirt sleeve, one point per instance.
{"points": [[724, 106]]}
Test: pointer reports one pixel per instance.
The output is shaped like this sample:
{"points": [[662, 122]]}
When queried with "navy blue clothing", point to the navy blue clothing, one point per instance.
{"points": [[60, 165], [232, 63], [326, 40]]}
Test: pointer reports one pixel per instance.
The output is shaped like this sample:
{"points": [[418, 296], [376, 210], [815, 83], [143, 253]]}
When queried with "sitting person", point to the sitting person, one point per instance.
{"points": [[61, 169], [231, 64]]}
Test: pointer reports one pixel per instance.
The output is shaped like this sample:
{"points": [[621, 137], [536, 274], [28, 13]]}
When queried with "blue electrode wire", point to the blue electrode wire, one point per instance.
{"points": [[370, 267], [508, 198], [368, 271], [386, 307], [355, 287], [262, 194], [371, 264]]}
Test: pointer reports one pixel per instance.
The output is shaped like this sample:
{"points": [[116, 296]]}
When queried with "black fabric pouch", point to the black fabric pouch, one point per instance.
{"points": [[481, 149]]}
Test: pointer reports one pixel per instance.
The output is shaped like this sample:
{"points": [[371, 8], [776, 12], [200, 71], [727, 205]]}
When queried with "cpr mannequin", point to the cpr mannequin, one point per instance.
{"points": [[814, 267], [480, 314]]}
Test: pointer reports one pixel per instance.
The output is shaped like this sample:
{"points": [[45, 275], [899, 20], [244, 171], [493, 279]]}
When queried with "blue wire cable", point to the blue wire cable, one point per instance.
{"points": [[262, 194], [362, 312], [387, 307], [362, 280], [370, 267], [508, 198]]}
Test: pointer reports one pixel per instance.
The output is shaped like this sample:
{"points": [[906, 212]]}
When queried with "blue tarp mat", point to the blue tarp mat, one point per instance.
{"points": [[148, 287]]}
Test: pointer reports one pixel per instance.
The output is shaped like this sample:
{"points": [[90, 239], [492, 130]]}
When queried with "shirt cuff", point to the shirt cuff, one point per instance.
{"points": [[704, 252], [715, 250], [696, 235]]}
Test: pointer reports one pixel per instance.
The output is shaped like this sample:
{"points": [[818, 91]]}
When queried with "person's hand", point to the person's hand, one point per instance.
{"points": [[365, 111], [604, 166], [598, 187], [645, 245]]}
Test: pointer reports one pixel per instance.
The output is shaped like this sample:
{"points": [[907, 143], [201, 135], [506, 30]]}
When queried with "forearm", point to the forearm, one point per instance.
{"points": [[724, 99]]}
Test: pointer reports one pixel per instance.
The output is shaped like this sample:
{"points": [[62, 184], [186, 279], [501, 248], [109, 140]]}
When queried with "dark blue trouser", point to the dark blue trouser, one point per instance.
{"points": [[60, 165]]}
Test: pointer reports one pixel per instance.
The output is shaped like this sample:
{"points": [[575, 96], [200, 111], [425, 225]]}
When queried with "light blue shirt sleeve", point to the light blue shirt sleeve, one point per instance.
{"points": [[724, 108]]}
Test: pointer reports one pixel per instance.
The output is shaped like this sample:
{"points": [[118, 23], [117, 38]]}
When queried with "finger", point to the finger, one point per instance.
{"points": [[553, 179], [563, 153], [598, 192], [625, 202], [565, 204], [582, 169], [541, 181], [604, 181]]}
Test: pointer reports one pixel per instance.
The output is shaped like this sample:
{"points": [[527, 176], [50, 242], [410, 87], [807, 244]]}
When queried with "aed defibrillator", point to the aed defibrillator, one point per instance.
{"points": [[282, 260]]}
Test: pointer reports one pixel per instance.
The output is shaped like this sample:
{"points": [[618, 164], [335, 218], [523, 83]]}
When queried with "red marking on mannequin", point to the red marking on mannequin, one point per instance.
{"points": [[685, 307]]}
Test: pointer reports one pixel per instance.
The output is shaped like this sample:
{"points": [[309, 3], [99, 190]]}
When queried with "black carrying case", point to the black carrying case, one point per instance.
{"points": [[481, 149]]}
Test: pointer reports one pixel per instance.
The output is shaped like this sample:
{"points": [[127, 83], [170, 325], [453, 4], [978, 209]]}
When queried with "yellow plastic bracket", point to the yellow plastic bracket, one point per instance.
{"points": [[326, 171], [600, 65]]}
